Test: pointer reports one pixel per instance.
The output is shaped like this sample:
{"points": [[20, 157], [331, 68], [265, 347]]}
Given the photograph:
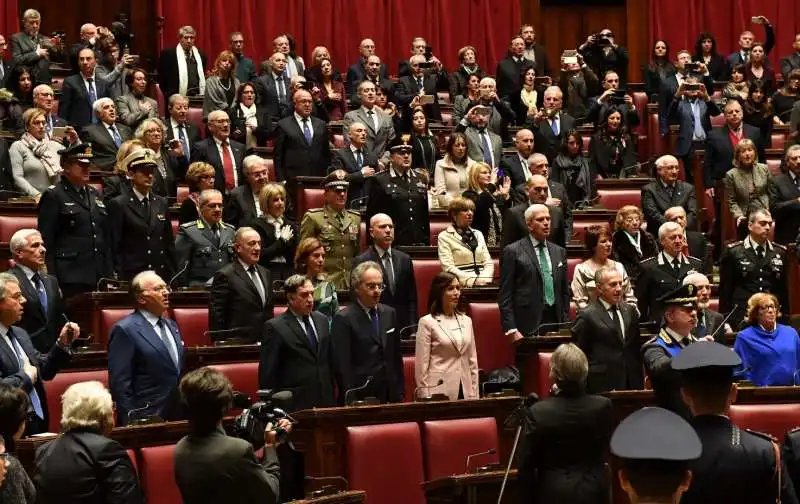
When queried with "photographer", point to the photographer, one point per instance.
{"points": [[613, 96], [684, 68], [212, 467], [427, 75], [577, 82], [603, 54]]}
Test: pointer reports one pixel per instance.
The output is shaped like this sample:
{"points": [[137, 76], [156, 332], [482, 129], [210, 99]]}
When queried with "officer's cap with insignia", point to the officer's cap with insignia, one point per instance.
{"points": [[706, 363], [80, 153], [400, 144], [655, 434], [336, 179], [684, 296], [141, 160]]}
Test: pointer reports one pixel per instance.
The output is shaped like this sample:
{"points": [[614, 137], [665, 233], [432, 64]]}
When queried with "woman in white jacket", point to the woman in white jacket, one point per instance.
{"points": [[462, 249]]}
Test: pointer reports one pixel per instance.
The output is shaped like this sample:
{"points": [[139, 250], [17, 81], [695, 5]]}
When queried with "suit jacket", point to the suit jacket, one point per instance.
{"points": [[680, 113], [46, 364], [345, 159], [206, 151], [698, 247], [130, 113], [404, 297], [274, 248], [168, 77], [289, 361], [263, 131], [718, 158], [658, 278], [74, 105], [165, 184], [23, 49], [508, 75], [294, 156], [43, 327], [475, 145], [192, 135], [666, 97], [448, 354], [713, 320], [515, 228], [240, 207], [747, 193], [267, 93], [104, 149], [218, 468], [785, 207], [114, 185], [199, 253], [378, 141], [99, 470], [235, 305], [360, 353], [514, 169], [601, 153], [545, 141], [521, 296], [141, 373], [407, 88], [626, 253], [789, 63], [356, 74], [6, 67], [615, 360], [656, 201]]}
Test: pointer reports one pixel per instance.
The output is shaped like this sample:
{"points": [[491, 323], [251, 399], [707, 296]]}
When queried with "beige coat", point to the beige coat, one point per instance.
{"points": [[457, 258], [446, 350], [747, 190], [451, 179]]}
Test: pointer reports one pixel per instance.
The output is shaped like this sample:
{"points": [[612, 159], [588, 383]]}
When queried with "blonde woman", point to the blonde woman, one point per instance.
{"points": [[279, 233], [492, 197], [35, 162], [462, 249]]}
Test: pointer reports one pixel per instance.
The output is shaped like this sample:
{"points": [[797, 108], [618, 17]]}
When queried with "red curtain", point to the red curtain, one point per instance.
{"points": [[679, 23], [340, 25], [9, 19]]}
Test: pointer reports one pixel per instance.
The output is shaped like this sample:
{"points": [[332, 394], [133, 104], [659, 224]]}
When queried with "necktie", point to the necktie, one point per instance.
{"points": [[281, 91], [760, 251], [676, 265], [554, 126], [227, 166], [487, 148], [420, 84], [49, 121], [146, 204], [617, 320], [376, 325], [163, 333], [92, 96], [387, 266], [701, 325], [310, 333], [307, 132], [371, 115], [2, 70], [260, 288], [182, 138], [22, 358], [671, 191], [37, 281], [115, 135], [359, 161], [547, 276]]}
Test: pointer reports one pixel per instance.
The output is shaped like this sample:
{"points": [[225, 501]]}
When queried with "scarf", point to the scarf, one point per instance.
{"points": [[471, 241], [183, 72], [42, 151], [250, 121]]}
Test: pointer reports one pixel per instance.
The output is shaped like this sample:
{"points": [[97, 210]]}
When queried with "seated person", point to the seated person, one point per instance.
{"points": [[598, 242], [462, 249], [35, 162], [770, 351]]}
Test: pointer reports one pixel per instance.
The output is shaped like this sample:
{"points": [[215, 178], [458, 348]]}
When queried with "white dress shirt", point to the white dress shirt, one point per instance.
{"points": [[153, 321]]}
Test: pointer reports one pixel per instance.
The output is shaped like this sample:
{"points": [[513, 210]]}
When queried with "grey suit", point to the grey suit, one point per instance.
{"points": [[475, 145], [103, 146], [789, 63], [215, 97], [130, 113], [218, 468], [378, 140], [23, 49], [741, 198], [656, 200], [201, 252]]}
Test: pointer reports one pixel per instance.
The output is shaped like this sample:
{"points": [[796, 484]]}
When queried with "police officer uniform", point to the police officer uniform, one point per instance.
{"points": [[338, 231], [737, 465], [201, 250], [404, 198], [140, 228], [744, 271], [660, 276], [75, 227], [659, 351]]}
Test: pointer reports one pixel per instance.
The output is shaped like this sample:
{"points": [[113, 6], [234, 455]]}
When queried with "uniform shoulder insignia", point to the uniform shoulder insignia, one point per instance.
{"points": [[649, 259], [51, 187], [315, 210], [733, 244], [779, 246], [226, 225], [189, 224], [353, 212], [652, 340], [762, 435]]}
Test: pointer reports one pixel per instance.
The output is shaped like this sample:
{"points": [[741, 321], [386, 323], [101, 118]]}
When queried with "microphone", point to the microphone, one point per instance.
{"points": [[406, 330], [652, 324], [232, 330], [327, 489], [111, 284], [348, 394], [490, 451], [587, 203], [553, 325], [359, 203], [428, 387], [179, 273], [144, 420], [516, 416], [627, 170], [725, 320]]}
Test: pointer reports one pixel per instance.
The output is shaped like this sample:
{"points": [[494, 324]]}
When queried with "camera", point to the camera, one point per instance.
{"points": [[618, 97], [253, 420], [602, 40], [692, 67], [425, 65], [692, 87]]}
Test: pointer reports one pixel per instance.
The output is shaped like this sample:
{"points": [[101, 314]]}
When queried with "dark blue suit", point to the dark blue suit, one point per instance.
{"points": [[141, 371], [680, 113]]}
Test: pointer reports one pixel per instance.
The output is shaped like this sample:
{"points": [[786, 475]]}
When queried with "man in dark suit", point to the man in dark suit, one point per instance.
{"points": [[212, 467], [533, 279], [44, 99], [792, 61], [514, 224], [182, 69], [88, 38], [79, 93], [43, 316], [696, 242], [509, 70], [241, 293], [608, 333], [422, 81], [550, 125], [245, 68], [515, 166], [398, 271], [366, 342], [600, 107], [224, 154], [708, 320], [242, 205], [603, 54], [746, 41], [5, 67], [32, 49], [691, 110], [664, 272], [145, 355], [178, 125], [355, 159], [556, 192], [105, 135], [784, 198], [668, 93], [535, 53], [301, 143], [21, 365], [360, 71], [274, 87], [141, 231], [484, 145], [667, 191]]}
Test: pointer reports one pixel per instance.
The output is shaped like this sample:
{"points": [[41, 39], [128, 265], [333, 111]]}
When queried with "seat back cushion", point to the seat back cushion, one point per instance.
{"points": [[614, 199], [243, 376], [157, 474], [773, 419], [494, 348], [10, 224], [448, 443], [312, 197], [543, 374], [109, 317], [56, 387], [193, 325], [424, 271]]}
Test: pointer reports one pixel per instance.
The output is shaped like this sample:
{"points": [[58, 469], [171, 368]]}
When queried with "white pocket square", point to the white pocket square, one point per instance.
{"points": [[390, 331]]}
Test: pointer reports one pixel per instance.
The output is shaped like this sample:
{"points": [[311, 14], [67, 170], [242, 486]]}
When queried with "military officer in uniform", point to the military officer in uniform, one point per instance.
{"points": [[680, 319], [737, 465], [75, 226], [664, 272], [752, 265], [336, 228], [141, 230], [203, 246], [402, 195]]}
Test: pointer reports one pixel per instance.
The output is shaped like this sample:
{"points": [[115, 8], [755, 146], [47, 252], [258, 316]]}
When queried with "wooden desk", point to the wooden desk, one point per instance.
{"points": [[194, 357], [322, 433], [475, 488], [349, 497]]}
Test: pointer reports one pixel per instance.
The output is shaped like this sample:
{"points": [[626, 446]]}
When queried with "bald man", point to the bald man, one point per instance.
{"points": [[551, 125], [357, 71], [514, 225], [274, 87], [515, 166], [301, 142], [88, 39]]}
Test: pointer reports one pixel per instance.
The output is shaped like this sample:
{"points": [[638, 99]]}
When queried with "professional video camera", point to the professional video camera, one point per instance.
{"points": [[253, 420]]}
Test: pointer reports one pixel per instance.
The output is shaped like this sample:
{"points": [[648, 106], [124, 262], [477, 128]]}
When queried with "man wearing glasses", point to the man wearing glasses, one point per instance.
{"points": [[366, 342], [224, 154]]}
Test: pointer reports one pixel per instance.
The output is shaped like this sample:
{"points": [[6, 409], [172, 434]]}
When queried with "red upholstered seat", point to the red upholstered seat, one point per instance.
{"points": [[447, 443], [614, 199], [363, 241], [193, 324], [409, 378], [279, 310], [157, 475], [372, 450], [183, 193], [109, 317], [175, 225], [243, 376], [443, 97], [579, 228], [447, 118], [338, 141], [658, 144], [57, 83], [572, 262], [195, 117], [543, 374], [132, 456], [573, 310], [436, 228], [162, 102], [774, 166], [424, 271], [311, 197], [718, 121], [10, 224], [640, 100], [586, 140], [778, 140], [56, 387], [713, 304], [494, 348], [774, 419]]}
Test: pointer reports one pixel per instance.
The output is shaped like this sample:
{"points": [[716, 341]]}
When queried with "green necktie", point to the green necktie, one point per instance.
{"points": [[547, 276]]}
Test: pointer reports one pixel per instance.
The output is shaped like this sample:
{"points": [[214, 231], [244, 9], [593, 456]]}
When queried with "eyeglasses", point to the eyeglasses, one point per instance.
{"points": [[375, 286], [221, 121]]}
